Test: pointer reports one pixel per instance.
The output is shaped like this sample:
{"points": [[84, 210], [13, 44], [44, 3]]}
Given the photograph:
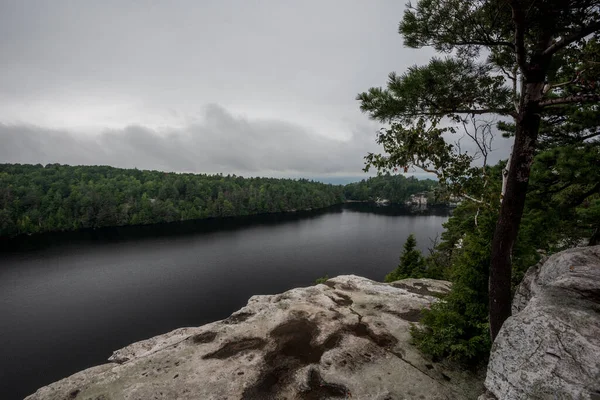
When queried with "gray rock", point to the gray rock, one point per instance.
{"points": [[487, 396], [427, 287], [550, 347], [348, 338]]}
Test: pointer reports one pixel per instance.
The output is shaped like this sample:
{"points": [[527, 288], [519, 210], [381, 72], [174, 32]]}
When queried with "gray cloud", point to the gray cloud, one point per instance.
{"points": [[221, 143], [113, 63], [128, 83]]}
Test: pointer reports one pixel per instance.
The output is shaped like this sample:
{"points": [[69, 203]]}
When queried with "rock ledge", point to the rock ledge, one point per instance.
{"points": [[348, 338], [550, 347]]}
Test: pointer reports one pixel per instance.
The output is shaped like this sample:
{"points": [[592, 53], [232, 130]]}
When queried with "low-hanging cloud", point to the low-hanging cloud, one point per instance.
{"points": [[222, 142]]}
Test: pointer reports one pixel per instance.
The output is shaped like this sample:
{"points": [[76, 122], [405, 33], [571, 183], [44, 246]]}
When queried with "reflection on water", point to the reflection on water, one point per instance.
{"points": [[140, 232], [397, 210], [68, 300]]}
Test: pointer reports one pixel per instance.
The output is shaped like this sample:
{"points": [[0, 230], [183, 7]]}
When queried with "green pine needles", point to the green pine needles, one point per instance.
{"points": [[412, 263]]}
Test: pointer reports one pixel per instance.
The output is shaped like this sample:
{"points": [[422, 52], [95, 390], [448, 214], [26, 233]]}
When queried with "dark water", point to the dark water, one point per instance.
{"points": [[68, 300]]}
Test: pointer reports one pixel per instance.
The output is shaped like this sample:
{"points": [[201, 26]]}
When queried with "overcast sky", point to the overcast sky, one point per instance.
{"points": [[246, 87]]}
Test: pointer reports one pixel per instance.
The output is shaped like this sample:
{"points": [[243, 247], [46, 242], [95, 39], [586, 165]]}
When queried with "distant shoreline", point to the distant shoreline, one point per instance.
{"points": [[8, 243], [6, 238]]}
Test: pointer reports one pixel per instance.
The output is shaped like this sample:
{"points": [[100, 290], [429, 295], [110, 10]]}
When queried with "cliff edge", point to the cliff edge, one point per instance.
{"points": [[348, 338]]}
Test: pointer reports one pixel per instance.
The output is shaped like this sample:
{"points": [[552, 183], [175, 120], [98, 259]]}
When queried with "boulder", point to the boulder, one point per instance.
{"points": [[550, 347], [347, 338]]}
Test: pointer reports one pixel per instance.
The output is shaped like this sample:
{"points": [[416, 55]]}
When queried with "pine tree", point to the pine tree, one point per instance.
{"points": [[536, 62], [412, 263]]}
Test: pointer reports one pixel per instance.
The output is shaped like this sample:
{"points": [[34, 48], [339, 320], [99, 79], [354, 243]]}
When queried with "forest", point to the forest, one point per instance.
{"points": [[36, 198], [395, 188]]}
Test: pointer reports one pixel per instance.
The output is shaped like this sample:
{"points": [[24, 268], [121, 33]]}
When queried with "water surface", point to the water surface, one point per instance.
{"points": [[68, 300]]}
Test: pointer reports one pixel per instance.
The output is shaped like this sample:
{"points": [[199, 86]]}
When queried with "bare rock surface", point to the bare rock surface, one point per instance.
{"points": [[550, 347], [346, 339]]}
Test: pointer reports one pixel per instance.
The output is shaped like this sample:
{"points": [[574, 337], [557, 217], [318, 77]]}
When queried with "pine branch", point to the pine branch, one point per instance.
{"points": [[581, 98], [590, 136], [424, 168], [500, 111], [466, 196], [556, 190], [575, 79], [569, 139], [485, 43], [567, 40], [549, 87], [579, 139], [577, 200]]}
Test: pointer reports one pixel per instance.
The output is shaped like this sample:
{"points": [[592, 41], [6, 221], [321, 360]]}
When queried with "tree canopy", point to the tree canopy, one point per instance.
{"points": [[34, 198], [457, 328], [526, 68], [395, 188]]}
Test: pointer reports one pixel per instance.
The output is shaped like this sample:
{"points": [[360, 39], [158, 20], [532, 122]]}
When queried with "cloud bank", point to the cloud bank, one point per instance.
{"points": [[221, 142]]}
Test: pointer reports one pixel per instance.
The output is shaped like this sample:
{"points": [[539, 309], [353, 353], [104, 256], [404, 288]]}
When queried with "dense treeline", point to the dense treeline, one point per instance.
{"points": [[34, 198], [395, 188], [562, 210]]}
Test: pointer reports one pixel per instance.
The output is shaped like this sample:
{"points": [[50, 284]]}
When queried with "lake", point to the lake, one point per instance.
{"points": [[68, 300]]}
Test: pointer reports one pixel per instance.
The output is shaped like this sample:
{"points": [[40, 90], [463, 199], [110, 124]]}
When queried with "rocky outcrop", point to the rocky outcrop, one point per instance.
{"points": [[348, 338], [550, 347]]}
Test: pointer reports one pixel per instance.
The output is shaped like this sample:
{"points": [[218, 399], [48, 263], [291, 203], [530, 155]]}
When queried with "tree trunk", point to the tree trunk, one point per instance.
{"points": [[511, 209], [595, 239], [505, 174]]}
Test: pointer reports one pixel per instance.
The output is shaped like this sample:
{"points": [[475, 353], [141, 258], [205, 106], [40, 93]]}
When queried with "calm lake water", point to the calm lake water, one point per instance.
{"points": [[68, 300]]}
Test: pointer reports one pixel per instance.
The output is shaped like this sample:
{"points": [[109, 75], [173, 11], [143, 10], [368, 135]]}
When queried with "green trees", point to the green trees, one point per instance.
{"points": [[34, 198], [457, 327], [554, 218], [412, 263], [532, 65], [395, 188]]}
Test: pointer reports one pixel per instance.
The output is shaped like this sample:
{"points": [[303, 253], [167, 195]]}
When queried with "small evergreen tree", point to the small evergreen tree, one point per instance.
{"points": [[412, 263], [456, 327]]}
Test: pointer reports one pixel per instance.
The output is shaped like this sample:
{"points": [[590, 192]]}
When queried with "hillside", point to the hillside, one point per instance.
{"points": [[34, 198], [395, 188]]}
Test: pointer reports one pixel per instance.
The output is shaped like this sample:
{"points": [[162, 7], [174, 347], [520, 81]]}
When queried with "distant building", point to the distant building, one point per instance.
{"points": [[417, 199], [454, 201]]}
